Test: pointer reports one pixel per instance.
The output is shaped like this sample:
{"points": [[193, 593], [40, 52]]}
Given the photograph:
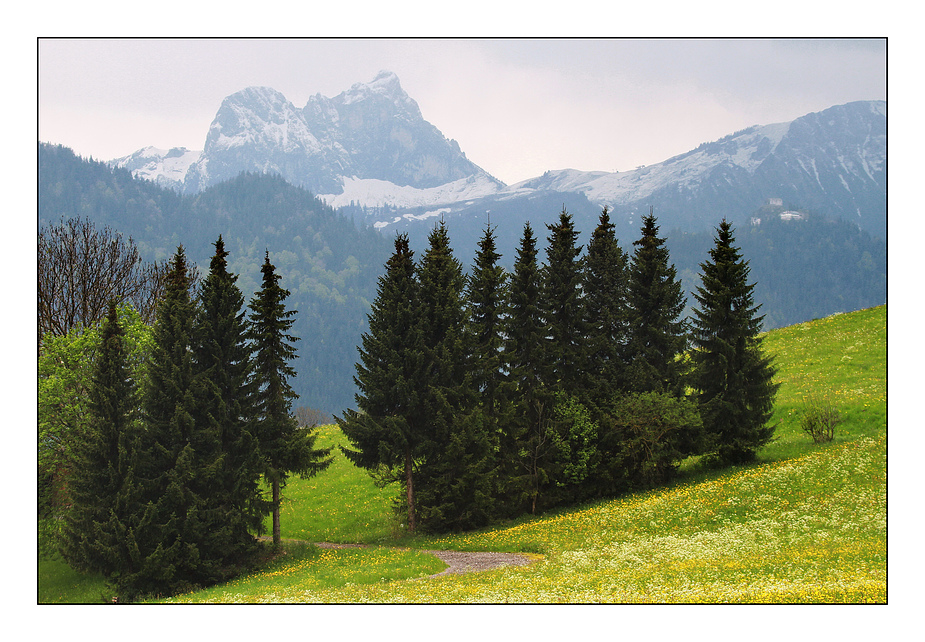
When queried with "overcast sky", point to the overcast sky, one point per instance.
{"points": [[517, 107]]}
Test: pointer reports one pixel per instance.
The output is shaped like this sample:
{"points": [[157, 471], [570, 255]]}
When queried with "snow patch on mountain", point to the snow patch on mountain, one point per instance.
{"points": [[372, 192], [162, 166], [745, 150]]}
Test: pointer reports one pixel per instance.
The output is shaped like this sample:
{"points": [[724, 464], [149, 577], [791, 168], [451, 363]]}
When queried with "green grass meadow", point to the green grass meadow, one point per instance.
{"points": [[805, 524]]}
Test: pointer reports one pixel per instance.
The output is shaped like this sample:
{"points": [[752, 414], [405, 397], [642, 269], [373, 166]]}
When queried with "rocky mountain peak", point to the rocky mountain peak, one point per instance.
{"points": [[383, 96], [373, 130]]}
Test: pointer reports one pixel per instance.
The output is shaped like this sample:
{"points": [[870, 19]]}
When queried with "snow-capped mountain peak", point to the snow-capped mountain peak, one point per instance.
{"points": [[371, 146], [164, 167], [385, 86], [372, 131]]}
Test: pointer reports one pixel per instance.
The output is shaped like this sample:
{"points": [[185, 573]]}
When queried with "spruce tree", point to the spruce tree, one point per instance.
{"points": [[441, 284], [225, 408], [486, 297], [487, 300], [657, 333], [732, 376], [285, 447], [455, 481], [102, 457], [604, 285], [178, 456], [525, 440], [523, 349], [386, 431], [562, 306]]}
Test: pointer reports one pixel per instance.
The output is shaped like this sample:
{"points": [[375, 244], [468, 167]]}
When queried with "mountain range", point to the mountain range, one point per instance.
{"points": [[369, 150]]}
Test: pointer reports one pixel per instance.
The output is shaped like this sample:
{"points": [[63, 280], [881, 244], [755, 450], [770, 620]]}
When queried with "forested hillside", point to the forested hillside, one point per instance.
{"points": [[328, 263], [803, 269]]}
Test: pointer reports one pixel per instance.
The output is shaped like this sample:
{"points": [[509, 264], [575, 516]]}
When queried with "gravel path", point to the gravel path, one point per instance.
{"points": [[468, 562], [459, 562]]}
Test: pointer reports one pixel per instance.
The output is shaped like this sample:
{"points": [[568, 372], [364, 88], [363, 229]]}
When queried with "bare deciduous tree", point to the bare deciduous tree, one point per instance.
{"points": [[81, 269], [311, 417]]}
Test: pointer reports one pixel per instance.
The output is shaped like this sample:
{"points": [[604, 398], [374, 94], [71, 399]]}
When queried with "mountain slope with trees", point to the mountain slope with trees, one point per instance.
{"points": [[803, 269], [327, 262]]}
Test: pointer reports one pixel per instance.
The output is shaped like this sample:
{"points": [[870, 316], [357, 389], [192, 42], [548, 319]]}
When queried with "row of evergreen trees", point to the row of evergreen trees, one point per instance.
{"points": [[500, 393], [165, 488]]}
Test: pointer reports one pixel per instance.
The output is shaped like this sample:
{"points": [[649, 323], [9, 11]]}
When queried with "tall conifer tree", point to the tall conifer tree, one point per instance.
{"points": [[441, 284], [387, 429], [525, 440], [605, 282], [732, 376], [523, 349], [488, 289], [102, 460], [284, 446], [225, 408], [658, 334], [486, 296], [455, 481], [562, 305], [179, 455]]}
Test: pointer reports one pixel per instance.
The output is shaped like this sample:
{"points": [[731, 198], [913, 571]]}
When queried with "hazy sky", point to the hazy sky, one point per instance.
{"points": [[517, 107]]}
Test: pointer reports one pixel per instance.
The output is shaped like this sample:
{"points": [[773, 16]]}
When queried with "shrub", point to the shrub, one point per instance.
{"points": [[575, 440], [648, 436], [819, 420]]}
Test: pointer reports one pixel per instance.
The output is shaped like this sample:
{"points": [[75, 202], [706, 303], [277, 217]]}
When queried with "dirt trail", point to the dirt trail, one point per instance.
{"points": [[459, 562]]}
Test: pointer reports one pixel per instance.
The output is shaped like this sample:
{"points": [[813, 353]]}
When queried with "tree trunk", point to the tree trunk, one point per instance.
{"points": [[276, 535], [409, 483]]}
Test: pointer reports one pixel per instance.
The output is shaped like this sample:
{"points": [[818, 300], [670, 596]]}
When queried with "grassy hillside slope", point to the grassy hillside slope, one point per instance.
{"points": [[807, 523]]}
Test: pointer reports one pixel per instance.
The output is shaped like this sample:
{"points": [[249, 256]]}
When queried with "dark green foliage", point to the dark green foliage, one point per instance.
{"points": [[66, 367], [387, 429], [185, 530], [487, 299], [732, 376], [391, 363], [441, 284], [187, 498], [523, 349], [644, 437], [526, 439], [456, 485], [562, 308], [179, 458], [284, 446], [102, 460], [604, 285], [454, 431], [572, 388], [657, 331], [225, 408]]}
